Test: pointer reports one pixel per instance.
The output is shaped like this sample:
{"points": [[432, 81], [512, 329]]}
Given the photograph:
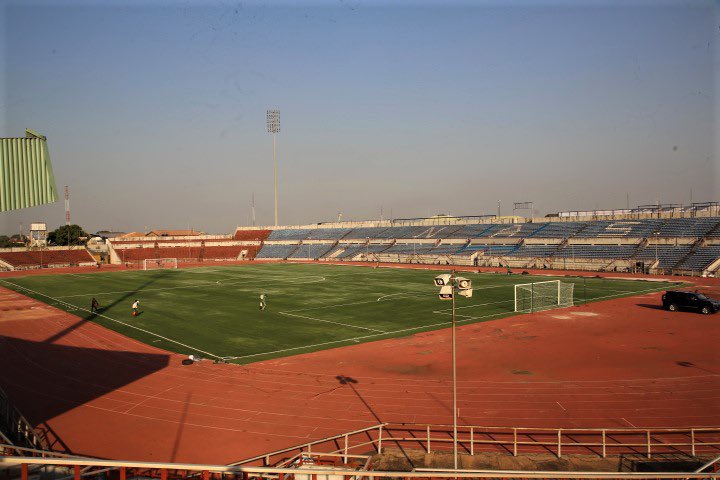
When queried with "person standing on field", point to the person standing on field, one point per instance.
{"points": [[263, 303], [135, 308], [94, 305]]}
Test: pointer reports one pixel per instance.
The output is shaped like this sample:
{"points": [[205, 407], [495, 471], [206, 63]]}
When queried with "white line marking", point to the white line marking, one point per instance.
{"points": [[209, 283], [629, 294], [112, 319], [626, 421], [474, 306], [364, 302], [474, 289], [561, 406], [380, 299], [362, 337], [147, 398], [329, 321]]}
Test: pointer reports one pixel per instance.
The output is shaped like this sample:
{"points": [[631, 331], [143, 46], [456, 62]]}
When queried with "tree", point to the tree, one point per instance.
{"points": [[67, 235], [12, 241]]}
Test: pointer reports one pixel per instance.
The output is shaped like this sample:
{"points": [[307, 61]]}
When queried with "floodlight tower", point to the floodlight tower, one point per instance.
{"points": [[273, 126]]}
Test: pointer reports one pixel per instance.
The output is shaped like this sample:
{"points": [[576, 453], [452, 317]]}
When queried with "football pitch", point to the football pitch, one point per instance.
{"points": [[213, 311]]}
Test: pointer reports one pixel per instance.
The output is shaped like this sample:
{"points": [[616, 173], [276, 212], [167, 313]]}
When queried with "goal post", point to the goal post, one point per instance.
{"points": [[159, 263], [536, 296]]}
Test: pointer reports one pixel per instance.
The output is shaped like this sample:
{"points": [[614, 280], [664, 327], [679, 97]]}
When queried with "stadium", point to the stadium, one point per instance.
{"points": [[569, 342]]}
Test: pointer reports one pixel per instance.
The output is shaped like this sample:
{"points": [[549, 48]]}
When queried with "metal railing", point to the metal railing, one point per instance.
{"points": [[127, 469], [352, 449], [513, 441], [15, 430], [559, 441]]}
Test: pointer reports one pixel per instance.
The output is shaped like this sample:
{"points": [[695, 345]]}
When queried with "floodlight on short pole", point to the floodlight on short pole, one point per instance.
{"points": [[454, 379], [450, 284], [273, 126]]}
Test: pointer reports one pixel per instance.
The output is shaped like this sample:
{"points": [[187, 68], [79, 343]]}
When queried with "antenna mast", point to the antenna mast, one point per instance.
{"points": [[67, 205], [252, 204]]}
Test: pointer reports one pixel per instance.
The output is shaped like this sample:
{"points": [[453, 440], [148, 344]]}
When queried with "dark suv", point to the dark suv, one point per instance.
{"points": [[675, 300]]}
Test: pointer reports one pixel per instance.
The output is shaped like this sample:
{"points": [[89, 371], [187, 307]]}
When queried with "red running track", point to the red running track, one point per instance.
{"points": [[617, 363]]}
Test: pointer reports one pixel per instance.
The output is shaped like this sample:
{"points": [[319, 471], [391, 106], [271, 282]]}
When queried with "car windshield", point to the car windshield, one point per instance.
{"points": [[702, 297]]}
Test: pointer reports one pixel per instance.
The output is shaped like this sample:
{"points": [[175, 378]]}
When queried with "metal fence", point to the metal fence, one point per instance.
{"points": [[514, 441], [350, 454], [78, 468], [15, 430]]}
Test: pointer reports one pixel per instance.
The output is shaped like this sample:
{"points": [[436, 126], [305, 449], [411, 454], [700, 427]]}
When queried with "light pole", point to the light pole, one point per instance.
{"points": [[273, 126], [449, 285], [454, 378], [657, 234]]}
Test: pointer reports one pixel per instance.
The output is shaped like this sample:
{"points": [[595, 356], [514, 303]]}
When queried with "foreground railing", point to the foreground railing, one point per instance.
{"points": [[514, 441], [123, 470], [353, 450], [15, 429], [559, 441]]}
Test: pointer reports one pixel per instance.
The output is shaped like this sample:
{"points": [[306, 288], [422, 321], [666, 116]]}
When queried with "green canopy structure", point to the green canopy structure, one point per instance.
{"points": [[26, 174]]}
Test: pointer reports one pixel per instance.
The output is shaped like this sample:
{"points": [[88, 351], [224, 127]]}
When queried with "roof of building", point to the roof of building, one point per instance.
{"points": [[131, 234], [173, 233]]}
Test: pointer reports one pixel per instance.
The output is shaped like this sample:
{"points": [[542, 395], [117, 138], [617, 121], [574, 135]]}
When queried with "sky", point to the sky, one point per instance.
{"points": [[155, 110]]}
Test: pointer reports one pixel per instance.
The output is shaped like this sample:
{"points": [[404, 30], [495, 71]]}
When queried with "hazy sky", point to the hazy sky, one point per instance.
{"points": [[155, 111]]}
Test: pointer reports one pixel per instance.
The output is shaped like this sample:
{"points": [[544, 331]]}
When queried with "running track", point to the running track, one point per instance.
{"points": [[609, 364]]}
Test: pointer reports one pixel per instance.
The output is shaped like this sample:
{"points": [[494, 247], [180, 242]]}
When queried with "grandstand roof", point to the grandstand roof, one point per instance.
{"points": [[26, 175]]}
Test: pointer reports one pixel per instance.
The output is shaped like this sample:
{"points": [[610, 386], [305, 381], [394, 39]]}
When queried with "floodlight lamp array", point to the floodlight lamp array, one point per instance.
{"points": [[273, 121]]}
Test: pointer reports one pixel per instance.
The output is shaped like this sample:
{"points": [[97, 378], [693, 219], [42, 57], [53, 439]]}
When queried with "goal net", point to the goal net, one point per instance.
{"points": [[157, 263], [532, 297]]}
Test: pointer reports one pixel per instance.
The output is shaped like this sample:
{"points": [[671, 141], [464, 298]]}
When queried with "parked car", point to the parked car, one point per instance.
{"points": [[675, 300]]}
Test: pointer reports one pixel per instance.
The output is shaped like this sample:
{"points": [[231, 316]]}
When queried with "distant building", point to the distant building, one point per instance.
{"points": [[104, 234], [173, 233], [130, 235]]}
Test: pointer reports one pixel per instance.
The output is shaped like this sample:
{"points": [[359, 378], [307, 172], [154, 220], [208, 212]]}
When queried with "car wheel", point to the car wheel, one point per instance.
{"points": [[672, 307], [705, 310]]}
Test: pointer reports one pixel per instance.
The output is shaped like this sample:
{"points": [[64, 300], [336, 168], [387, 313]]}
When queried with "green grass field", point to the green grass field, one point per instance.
{"points": [[213, 311]]}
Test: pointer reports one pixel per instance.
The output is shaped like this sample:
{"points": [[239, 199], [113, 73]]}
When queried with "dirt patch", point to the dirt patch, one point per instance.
{"points": [[410, 369]]}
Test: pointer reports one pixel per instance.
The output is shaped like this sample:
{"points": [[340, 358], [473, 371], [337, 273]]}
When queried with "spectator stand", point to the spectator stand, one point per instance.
{"points": [[131, 251], [657, 241], [45, 257]]}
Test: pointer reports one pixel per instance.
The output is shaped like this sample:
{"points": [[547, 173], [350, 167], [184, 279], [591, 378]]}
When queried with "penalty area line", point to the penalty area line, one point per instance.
{"points": [[70, 305], [356, 339], [330, 321]]}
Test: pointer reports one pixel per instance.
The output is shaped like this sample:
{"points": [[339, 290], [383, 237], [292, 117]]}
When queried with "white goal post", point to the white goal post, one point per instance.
{"points": [[157, 263], [536, 296]]}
